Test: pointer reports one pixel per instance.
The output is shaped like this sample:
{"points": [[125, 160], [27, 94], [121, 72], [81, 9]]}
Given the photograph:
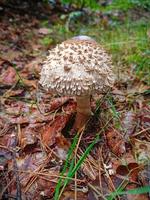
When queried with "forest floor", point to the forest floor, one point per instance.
{"points": [[39, 158]]}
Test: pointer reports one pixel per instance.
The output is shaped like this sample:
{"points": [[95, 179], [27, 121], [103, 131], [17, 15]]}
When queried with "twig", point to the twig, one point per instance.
{"points": [[99, 165], [76, 150], [18, 186], [136, 134], [5, 129], [5, 188], [110, 182], [97, 191], [50, 175]]}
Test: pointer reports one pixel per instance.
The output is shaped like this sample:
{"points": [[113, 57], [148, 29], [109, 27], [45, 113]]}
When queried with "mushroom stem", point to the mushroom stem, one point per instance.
{"points": [[83, 111]]}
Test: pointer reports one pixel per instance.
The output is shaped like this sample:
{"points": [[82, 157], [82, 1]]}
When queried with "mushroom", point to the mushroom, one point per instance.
{"points": [[78, 67]]}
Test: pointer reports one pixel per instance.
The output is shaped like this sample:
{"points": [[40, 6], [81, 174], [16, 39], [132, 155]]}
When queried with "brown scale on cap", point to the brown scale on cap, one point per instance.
{"points": [[80, 67]]}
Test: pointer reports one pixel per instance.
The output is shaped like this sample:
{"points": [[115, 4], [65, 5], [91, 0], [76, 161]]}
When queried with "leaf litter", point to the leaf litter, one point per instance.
{"points": [[33, 121]]}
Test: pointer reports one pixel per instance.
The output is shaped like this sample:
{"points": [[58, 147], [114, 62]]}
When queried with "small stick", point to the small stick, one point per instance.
{"points": [[18, 186]]}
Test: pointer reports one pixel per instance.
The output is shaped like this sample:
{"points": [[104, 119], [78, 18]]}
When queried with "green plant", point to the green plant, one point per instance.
{"points": [[119, 5], [142, 3], [92, 4], [46, 41], [70, 168], [120, 191], [66, 166], [125, 5]]}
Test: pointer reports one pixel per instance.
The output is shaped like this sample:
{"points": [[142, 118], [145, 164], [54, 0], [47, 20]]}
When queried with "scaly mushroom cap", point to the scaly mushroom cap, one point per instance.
{"points": [[78, 66]]}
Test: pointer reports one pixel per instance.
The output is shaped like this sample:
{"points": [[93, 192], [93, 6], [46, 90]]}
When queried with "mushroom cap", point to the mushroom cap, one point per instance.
{"points": [[77, 66]]}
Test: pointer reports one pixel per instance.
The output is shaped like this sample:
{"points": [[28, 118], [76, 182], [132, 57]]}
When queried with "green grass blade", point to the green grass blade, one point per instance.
{"points": [[70, 153], [72, 172], [140, 190], [115, 113], [87, 151]]}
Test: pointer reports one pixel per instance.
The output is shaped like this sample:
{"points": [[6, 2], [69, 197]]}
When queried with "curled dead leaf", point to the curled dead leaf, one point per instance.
{"points": [[51, 131]]}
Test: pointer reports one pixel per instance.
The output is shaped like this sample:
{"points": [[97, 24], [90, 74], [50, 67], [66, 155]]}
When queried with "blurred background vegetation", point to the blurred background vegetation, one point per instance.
{"points": [[122, 26]]}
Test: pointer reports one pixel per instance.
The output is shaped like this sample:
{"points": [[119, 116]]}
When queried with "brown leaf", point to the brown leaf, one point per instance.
{"points": [[47, 105], [115, 142], [61, 146], [45, 187], [16, 108], [141, 149], [31, 117], [35, 180], [137, 87], [145, 116], [134, 169], [89, 171], [129, 122], [27, 136], [29, 162], [8, 140], [11, 55], [122, 170], [12, 93], [144, 175], [52, 130], [58, 102], [33, 67], [119, 95], [70, 107], [131, 170], [8, 77], [91, 195], [30, 83], [70, 195]]}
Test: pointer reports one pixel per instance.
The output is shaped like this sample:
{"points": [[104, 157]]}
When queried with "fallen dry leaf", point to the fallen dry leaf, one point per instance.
{"points": [[130, 170], [8, 141], [52, 130], [141, 149], [34, 179], [144, 175], [30, 83], [28, 136], [129, 121], [16, 108], [115, 142], [68, 194], [30, 117], [145, 116], [58, 102], [12, 93], [8, 76], [33, 67], [11, 55]]}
